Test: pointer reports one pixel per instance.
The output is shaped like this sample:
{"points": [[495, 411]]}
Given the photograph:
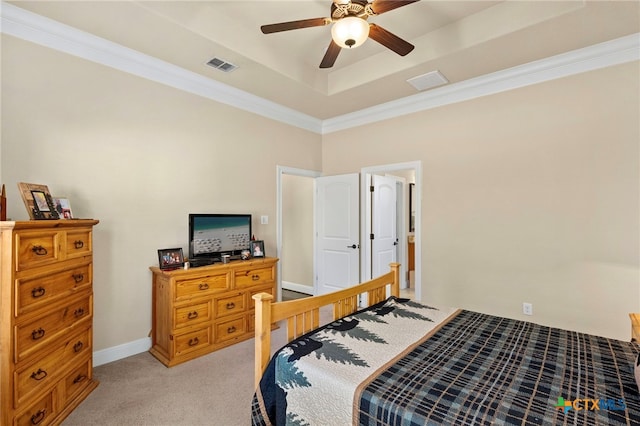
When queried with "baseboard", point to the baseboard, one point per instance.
{"points": [[300, 288], [125, 350]]}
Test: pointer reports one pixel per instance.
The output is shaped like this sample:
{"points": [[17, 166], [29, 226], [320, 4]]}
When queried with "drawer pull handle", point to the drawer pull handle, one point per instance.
{"points": [[78, 244], [78, 278], [39, 375], [231, 305], [38, 417], [78, 347], [255, 277], [38, 292], [78, 312], [204, 286], [39, 250], [192, 315], [37, 334], [231, 330], [80, 378], [194, 341]]}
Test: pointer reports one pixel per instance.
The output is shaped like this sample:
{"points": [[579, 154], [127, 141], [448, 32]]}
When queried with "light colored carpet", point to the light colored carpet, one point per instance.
{"points": [[215, 389]]}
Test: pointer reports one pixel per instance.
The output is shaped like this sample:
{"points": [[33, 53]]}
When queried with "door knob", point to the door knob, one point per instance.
{"points": [[353, 246]]}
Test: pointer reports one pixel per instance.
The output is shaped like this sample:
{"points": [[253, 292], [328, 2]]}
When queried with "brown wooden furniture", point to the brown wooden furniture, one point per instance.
{"points": [[3, 204], [46, 316], [303, 315], [199, 310], [411, 254], [635, 327]]}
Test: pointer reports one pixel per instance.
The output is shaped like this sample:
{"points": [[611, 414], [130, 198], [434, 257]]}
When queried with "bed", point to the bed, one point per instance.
{"points": [[398, 362]]}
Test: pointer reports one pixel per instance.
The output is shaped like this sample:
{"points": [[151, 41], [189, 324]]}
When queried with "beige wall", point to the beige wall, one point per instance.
{"points": [[138, 156], [528, 196], [297, 233]]}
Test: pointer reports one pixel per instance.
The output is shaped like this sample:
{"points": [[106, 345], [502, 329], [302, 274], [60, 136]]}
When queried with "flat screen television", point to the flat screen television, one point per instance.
{"points": [[212, 235]]}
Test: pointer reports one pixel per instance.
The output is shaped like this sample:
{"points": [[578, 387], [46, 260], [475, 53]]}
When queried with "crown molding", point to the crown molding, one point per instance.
{"points": [[614, 52], [37, 29], [29, 26]]}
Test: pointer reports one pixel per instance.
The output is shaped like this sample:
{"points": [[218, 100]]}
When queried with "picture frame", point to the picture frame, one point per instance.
{"points": [[171, 258], [257, 248], [44, 209], [63, 207]]}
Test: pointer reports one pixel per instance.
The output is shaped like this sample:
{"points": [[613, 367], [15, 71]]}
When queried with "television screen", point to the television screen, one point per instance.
{"points": [[211, 235]]}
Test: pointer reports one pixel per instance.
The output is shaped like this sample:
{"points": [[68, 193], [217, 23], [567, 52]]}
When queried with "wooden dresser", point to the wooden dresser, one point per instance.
{"points": [[199, 310], [46, 316]]}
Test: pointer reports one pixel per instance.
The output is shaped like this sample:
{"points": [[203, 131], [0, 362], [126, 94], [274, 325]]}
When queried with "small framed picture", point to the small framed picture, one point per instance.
{"points": [[43, 205], [63, 207], [257, 248], [171, 258]]}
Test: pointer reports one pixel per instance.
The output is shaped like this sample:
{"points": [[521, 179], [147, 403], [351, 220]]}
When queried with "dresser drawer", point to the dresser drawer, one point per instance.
{"points": [[193, 341], [229, 329], [192, 314], [37, 249], [42, 330], [251, 277], [202, 286], [34, 292], [41, 413], [230, 305], [43, 372], [77, 380], [79, 243]]}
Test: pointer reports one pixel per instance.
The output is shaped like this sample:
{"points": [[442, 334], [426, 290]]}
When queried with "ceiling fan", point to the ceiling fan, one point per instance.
{"points": [[350, 27]]}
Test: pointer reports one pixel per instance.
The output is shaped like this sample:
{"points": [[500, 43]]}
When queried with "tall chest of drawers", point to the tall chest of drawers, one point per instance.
{"points": [[46, 319], [200, 310]]}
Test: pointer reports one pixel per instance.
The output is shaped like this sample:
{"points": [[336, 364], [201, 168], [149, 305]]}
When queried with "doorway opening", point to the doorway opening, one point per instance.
{"points": [[287, 176]]}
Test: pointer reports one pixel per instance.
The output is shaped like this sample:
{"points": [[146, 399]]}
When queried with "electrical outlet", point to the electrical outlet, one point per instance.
{"points": [[527, 308]]}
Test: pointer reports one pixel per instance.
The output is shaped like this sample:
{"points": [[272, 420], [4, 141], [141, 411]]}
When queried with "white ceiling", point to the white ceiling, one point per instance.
{"points": [[461, 39]]}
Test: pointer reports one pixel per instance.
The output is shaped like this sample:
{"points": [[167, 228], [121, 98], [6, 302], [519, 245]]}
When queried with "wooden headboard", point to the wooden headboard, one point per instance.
{"points": [[303, 315]]}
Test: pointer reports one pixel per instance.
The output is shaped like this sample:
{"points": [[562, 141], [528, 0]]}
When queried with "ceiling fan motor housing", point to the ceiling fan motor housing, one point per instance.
{"points": [[350, 28]]}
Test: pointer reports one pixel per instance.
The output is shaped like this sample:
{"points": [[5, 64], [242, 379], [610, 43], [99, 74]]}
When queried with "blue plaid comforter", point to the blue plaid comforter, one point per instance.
{"points": [[465, 368]]}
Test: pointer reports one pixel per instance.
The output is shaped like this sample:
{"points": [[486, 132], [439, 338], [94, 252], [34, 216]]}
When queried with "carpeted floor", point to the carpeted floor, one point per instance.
{"points": [[212, 390], [215, 389]]}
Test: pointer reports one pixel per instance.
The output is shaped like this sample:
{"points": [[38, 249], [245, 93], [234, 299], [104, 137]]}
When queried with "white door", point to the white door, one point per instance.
{"points": [[338, 233], [384, 236]]}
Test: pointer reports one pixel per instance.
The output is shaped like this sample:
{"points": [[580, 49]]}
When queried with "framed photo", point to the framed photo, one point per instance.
{"points": [[170, 258], [63, 207], [257, 248], [37, 200]]}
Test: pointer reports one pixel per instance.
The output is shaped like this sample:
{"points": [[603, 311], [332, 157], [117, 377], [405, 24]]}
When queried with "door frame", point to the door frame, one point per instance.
{"points": [[412, 165], [284, 170], [365, 251]]}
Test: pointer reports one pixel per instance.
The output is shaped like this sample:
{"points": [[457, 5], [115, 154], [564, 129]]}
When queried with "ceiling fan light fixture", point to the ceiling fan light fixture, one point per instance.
{"points": [[350, 31]]}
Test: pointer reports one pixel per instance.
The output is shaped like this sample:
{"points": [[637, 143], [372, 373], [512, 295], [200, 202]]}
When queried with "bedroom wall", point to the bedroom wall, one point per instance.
{"points": [[297, 233], [138, 156], [531, 195]]}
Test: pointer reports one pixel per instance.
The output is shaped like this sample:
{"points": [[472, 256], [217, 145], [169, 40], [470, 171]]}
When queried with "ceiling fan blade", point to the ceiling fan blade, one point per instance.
{"points": [[294, 25], [382, 6], [331, 55], [387, 39]]}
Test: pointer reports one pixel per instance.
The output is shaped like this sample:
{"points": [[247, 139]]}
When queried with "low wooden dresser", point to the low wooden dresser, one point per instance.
{"points": [[199, 310], [46, 319]]}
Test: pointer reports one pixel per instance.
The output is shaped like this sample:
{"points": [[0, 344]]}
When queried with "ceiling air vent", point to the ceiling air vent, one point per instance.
{"points": [[221, 65], [428, 81]]}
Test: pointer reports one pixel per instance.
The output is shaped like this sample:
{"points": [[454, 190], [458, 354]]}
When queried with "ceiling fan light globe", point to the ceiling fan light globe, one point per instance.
{"points": [[350, 31]]}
